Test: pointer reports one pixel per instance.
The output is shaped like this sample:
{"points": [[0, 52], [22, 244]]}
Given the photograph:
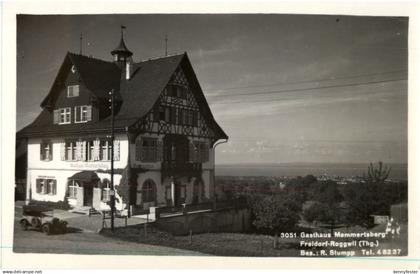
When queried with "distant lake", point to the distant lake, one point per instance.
{"points": [[398, 171]]}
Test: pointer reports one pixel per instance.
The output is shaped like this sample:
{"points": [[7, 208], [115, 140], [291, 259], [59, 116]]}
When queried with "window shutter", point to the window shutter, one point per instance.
{"points": [[45, 190], [56, 119], [138, 149], [54, 187], [76, 90], [105, 155], [83, 158], [116, 150], [63, 151], [96, 150], [79, 145], [38, 186], [159, 151], [50, 151], [41, 150], [89, 113]]}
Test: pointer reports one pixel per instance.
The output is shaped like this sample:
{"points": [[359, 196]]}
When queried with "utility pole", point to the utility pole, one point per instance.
{"points": [[166, 45], [81, 39], [112, 194]]}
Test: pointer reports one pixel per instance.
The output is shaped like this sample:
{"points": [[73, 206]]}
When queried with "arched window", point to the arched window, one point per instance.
{"points": [[148, 191], [72, 189]]}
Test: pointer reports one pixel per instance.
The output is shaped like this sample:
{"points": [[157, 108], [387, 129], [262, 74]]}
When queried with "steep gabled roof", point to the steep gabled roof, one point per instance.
{"points": [[148, 80], [99, 76], [138, 95]]}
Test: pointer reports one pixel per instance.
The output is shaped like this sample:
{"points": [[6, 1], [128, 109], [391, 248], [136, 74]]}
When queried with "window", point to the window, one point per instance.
{"points": [[46, 186], [51, 187], [167, 114], [168, 193], [65, 114], [106, 188], [90, 150], [46, 151], [71, 151], [105, 150], [195, 118], [200, 152], [148, 191], [159, 114], [173, 116], [183, 192], [72, 189], [73, 91], [178, 91], [82, 114], [149, 149]]}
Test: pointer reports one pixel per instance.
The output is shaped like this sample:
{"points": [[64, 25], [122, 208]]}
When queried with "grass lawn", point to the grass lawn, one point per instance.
{"points": [[234, 244]]}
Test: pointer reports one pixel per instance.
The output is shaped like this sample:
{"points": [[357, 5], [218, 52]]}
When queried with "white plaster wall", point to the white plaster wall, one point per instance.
{"points": [[62, 170], [34, 161]]}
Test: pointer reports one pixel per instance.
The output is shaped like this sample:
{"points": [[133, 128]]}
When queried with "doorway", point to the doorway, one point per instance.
{"points": [[87, 195]]}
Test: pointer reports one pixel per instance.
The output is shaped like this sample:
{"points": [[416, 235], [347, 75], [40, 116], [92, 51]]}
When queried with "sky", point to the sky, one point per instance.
{"points": [[285, 88]]}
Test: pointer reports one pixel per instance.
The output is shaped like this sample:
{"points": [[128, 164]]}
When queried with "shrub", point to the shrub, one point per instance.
{"points": [[54, 205]]}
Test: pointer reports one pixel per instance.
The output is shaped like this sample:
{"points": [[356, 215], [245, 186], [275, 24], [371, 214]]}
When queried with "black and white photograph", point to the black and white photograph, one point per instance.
{"points": [[212, 134]]}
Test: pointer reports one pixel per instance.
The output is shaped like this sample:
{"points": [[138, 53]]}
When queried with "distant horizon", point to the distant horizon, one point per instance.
{"points": [[332, 163]]}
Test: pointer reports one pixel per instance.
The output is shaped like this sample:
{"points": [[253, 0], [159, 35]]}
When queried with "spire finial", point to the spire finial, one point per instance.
{"points": [[122, 31]]}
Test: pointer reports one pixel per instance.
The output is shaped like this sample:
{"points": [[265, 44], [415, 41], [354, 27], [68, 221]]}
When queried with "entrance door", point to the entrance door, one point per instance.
{"points": [[87, 195]]}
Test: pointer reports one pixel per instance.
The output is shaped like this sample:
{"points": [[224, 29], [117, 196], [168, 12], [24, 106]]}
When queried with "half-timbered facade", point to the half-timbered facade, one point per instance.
{"points": [[164, 141]]}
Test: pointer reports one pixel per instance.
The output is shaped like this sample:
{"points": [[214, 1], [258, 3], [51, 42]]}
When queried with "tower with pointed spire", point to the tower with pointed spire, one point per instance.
{"points": [[121, 53]]}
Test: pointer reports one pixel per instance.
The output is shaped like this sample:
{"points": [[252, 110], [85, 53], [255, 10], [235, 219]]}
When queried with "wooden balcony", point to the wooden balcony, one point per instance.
{"points": [[180, 168]]}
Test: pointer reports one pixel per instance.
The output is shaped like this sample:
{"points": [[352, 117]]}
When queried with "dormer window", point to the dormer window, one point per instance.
{"points": [[72, 91], [65, 114], [82, 114]]}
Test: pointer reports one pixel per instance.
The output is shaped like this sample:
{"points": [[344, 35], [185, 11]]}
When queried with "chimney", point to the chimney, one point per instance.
{"points": [[128, 70]]}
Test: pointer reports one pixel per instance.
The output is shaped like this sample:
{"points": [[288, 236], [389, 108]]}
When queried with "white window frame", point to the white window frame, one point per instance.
{"points": [[83, 110], [106, 191], [71, 89], [72, 188], [89, 150], [43, 183], [105, 145], [71, 147], [51, 184], [65, 116], [46, 152]]}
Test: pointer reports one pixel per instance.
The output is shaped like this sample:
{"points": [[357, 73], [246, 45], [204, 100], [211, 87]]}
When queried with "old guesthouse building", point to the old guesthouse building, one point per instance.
{"points": [[164, 141]]}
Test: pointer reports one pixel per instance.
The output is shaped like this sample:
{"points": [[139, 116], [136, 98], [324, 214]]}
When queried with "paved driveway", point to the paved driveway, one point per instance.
{"points": [[82, 240]]}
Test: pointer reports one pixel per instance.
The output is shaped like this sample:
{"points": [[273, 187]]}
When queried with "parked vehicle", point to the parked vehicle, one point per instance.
{"points": [[42, 219]]}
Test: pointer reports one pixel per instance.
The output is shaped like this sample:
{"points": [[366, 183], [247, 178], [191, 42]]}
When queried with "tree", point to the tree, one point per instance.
{"points": [[326, 206], [371, 197], [273, 215], [379, 174]]}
